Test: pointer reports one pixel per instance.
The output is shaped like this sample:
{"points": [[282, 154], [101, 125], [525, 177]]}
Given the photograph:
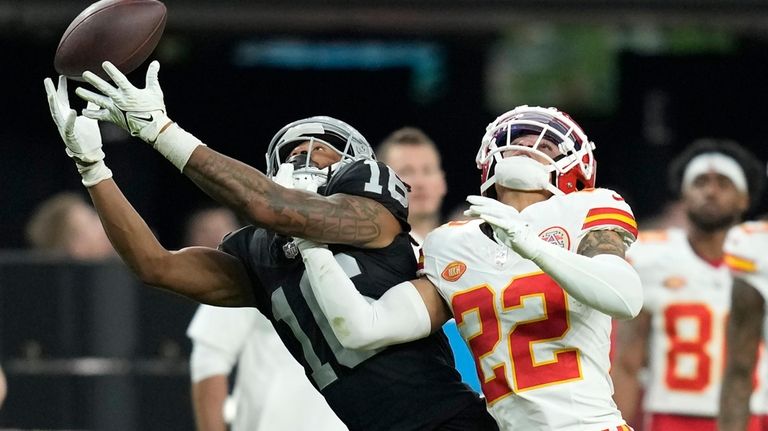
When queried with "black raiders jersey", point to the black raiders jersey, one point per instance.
{"points": [[411, 386]]}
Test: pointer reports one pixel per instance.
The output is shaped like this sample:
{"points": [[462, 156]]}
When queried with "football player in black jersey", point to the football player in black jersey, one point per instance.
{"points": [[361, 209]]}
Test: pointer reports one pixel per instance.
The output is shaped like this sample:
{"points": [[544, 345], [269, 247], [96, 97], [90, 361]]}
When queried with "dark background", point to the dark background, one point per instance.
{"points": [[236, 110], [660, 100]]}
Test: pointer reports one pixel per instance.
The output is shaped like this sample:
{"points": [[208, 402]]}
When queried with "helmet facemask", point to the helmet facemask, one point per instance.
{"points": [[336, 135], [571, 170], [305, 173]]}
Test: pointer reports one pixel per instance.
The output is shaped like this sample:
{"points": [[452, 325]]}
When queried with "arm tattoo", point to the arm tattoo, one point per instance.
{"points": [[337, 219], [602, 242], [744, 332]]}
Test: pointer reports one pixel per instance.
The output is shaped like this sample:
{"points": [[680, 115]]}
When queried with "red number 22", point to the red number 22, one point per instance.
{"points": [[527, 373]]}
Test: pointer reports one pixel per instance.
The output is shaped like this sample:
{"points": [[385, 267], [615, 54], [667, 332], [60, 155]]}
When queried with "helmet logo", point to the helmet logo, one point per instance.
{"points": [[556, 235], [453, 271]]}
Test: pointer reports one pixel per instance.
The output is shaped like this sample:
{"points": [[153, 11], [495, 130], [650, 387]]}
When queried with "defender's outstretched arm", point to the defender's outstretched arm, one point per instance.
{"points": [[406, 312]]}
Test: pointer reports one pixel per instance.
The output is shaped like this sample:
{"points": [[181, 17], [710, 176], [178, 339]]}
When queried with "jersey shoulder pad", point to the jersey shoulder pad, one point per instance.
{"points": [[606, 209], [374, 180], [431, 251], [444, 240], [451, 248], [746, 245]]}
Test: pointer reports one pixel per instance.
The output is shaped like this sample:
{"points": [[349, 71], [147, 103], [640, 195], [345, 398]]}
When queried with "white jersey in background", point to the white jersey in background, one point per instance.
{"points": [[543, 356], [271, 390], [746, 254], [688, 300]]}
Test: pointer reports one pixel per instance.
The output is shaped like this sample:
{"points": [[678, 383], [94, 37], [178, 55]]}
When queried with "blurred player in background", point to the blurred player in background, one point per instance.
{"points": [[270, 385], [65, 224], [362, 207], [533, 284], [415, 159], [679, 335], [208, 226], [746, 254]]}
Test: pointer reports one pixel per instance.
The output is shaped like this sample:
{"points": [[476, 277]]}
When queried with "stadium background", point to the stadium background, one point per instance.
{"points": [[643, 78]]}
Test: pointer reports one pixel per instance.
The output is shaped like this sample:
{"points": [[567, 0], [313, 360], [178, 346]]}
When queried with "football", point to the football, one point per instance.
{"points": [[124, 32]]}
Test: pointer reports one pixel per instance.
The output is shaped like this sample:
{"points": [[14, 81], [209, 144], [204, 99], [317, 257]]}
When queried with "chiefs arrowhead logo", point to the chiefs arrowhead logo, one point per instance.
{"points": [[453, 271]]}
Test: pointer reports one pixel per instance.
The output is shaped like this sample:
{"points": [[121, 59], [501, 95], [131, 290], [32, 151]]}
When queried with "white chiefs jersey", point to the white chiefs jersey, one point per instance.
{"points": [[688, 300], [542, 356], [746, 254]]}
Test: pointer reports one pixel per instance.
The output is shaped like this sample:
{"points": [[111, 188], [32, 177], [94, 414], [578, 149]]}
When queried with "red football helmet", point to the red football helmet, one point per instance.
{"points": [[572, 170]]}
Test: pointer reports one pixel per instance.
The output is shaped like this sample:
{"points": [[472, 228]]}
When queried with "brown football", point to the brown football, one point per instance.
{"points": [[124, 32]]}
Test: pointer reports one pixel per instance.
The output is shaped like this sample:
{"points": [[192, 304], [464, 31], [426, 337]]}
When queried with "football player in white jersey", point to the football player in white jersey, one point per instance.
{"points": [[679, 335], [746, 254], [533, 284]]}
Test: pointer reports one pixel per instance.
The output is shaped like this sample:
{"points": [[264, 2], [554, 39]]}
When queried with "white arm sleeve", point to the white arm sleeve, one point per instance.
{"points": [[399, 316], [605, 282], [206, 361]]}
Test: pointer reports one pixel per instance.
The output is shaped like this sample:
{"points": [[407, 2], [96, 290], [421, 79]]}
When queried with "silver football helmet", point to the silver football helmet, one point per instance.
{"points": [[336, 134]]}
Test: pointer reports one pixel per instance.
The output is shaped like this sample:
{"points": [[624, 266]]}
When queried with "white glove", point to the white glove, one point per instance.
{"points": [[139, 111], [509, 228], [80, 134]]}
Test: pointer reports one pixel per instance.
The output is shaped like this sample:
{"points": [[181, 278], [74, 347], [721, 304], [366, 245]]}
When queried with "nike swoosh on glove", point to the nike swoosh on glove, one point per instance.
{"points": [[140, 111]]}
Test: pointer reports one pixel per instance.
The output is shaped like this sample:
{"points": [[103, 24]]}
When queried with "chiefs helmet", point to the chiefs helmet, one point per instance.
{"points": [[573, 169], [338, 135]]}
